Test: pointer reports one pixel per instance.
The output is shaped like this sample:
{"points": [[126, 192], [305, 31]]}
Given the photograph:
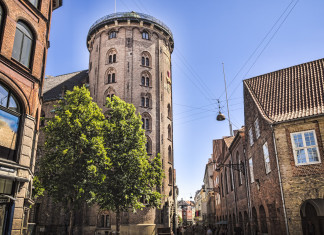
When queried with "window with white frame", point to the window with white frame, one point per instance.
{"points": [[305, 147], [251, 136], [257, 128], [251, 169], [266, 158]]}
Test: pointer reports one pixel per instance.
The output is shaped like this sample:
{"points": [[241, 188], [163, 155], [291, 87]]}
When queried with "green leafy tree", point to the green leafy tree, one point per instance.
{"points": [[74, 151], [133, 176]]}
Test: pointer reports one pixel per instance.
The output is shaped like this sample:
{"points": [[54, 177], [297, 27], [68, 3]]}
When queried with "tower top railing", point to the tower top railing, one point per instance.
{"points": [[128, 15]]}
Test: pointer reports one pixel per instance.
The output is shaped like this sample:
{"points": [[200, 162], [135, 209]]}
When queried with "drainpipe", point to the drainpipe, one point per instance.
{"points": [[234, 189], [280, 181], [248, 192]]}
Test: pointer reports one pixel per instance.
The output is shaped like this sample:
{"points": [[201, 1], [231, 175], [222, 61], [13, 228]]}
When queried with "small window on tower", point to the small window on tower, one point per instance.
{"points": [[145, 35], [112, 34]]}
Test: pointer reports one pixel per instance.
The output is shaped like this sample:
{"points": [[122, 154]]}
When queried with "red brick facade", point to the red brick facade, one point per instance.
{"points": [[24, 83]]}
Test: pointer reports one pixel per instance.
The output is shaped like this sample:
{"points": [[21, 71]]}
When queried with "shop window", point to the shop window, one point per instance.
{"points": [[9, 123], [23, 43]]}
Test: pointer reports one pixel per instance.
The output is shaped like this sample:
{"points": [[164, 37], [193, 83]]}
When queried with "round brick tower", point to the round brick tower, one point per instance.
{"points": [[130, 57]]}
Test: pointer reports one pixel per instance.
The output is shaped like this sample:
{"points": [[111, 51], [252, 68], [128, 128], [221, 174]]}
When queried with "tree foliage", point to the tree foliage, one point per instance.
{"points": [[132, 174], [74, 149]]}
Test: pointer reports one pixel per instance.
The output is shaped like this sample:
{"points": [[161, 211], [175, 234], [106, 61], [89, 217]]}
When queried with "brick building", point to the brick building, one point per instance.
{"points": [[284, 118], [130, 56], [24, 35]]}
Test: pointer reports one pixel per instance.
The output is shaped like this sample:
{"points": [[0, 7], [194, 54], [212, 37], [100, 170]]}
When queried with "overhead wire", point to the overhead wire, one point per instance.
{"points": [[267, 44], [259, 45]]}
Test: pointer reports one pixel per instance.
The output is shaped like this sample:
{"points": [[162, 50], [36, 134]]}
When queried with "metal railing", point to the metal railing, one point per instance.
{"points": [[129, 15]]}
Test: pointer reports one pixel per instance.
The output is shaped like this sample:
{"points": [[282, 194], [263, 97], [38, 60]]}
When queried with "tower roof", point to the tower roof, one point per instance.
{"points": [[135, 16]]}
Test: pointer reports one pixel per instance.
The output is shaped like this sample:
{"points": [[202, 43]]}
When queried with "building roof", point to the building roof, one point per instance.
{"points": [[290, 93], [128, 16], [54, 86]]}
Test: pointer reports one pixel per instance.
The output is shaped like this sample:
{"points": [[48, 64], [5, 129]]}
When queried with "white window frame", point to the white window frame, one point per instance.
{"points": [[266, 158], [257, 128], [295, 149], [251, 170], [251, 136]]}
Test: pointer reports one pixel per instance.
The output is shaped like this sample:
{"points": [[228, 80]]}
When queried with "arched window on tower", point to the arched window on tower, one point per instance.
{"points": [[170, 154], [145, 35], [109, 93], [145, 79], [148, 145], [169, 111], [170, 176], [146, 58], [111, 56], [147, 121], [169, 132], [23, 44], [110, 76], [146, 100]]}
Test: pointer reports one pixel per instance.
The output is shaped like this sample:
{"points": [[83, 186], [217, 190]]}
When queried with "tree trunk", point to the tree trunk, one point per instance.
{"points": [[70, 229], [118, 221]]}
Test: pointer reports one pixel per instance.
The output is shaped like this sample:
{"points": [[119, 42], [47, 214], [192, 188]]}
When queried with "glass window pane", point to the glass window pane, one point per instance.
{"points": [[2, 185], [17, 45], [309, 138], [34, 2], [301, 157], [147, 82], [1, 15], [26, 51], [143, 81], [13, 104], [9, 127], [312, 155], [8, 187], [3, 96], [298, 140], [24, 29], [147, 124]]}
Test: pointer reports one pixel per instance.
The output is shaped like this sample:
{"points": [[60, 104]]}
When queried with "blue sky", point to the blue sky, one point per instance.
{"points": [[250, 37]]}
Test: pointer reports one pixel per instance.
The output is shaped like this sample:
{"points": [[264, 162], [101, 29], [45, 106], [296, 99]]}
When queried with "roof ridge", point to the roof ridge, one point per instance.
{"points": [[279, 70], [65, 74]]}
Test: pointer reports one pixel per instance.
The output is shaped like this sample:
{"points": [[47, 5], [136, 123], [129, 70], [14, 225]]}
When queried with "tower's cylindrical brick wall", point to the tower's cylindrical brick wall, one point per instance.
{"points": [[130, 56]]}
